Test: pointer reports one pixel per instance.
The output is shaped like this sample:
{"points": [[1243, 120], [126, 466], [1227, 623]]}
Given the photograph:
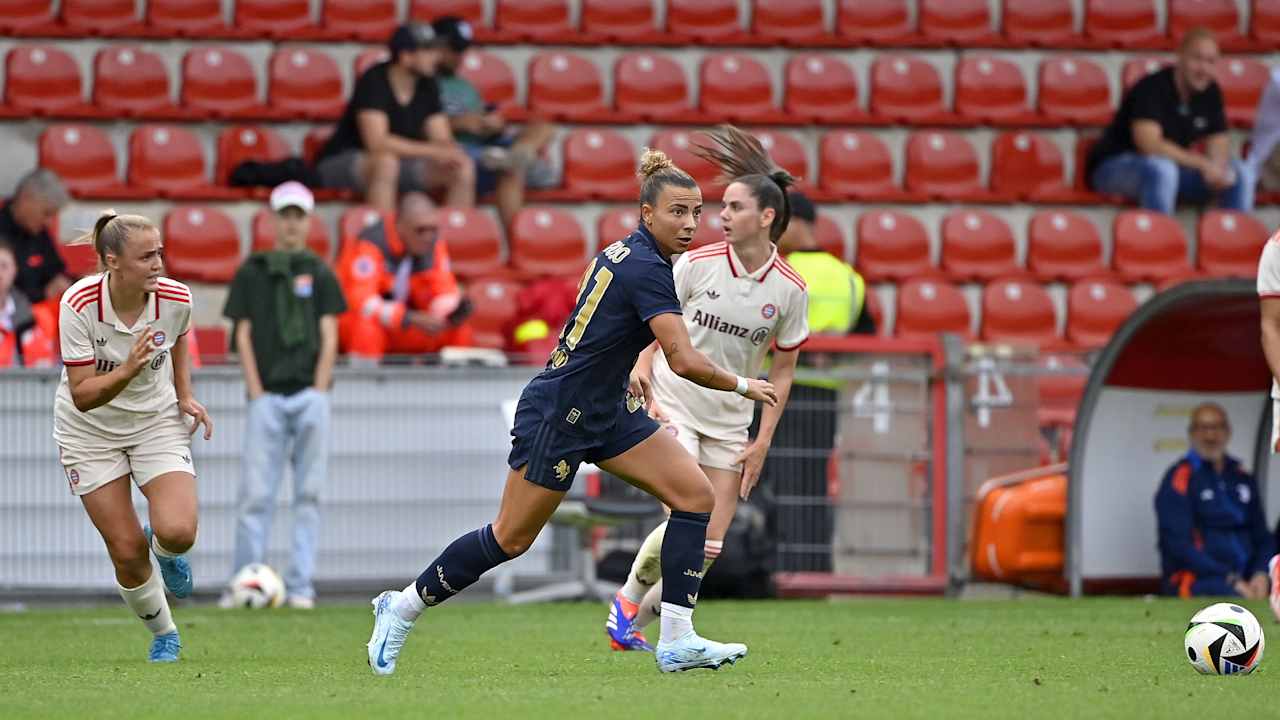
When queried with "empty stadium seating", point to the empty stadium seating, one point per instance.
{"points": [[1019, 311], [892, 246], [1149, 246], [1230, 243], [474, 240], [201, 244], [1063, 246], [1095, 310], [978, 245], [547, 241], [928, 307]]}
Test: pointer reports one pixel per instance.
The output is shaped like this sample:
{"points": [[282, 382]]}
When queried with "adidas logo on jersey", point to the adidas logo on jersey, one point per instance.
{"points": [[713, 294]]}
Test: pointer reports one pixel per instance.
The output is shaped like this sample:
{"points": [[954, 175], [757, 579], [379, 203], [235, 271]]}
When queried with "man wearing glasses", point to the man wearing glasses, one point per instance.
{"points": [[403, 296], [1213, 532]]}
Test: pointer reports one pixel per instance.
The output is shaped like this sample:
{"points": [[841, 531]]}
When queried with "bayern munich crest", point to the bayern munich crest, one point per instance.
{"points": [[158, 338], [768, 311]]}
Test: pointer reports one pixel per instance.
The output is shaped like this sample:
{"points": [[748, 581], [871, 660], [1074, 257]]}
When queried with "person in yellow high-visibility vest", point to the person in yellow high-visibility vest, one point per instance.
{"points": [[798, 476]]}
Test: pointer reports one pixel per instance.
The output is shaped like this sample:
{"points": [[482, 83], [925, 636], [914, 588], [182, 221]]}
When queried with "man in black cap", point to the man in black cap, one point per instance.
{"points": [[506, 160], [394, 135]]}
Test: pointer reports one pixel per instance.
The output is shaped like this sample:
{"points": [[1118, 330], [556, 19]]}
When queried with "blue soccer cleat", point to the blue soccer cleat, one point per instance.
{"points": [[165, 648], [176, 571], [692, 651], [623, 634], [389, 633]]}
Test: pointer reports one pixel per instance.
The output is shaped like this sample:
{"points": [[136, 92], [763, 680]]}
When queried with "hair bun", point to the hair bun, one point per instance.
{"points": [[783, 178], [653, 161]]}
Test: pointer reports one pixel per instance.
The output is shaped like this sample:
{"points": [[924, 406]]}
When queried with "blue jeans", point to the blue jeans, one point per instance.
{"points": [[280, 429], [1157, 183]]}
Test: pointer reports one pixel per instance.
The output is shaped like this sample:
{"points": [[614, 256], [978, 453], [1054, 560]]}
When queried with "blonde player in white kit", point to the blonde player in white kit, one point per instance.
{"points": [[1269, 295], [739, 298], [119, 413]]}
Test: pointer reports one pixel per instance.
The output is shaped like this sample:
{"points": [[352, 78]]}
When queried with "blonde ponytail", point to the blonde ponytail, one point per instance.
{"points": [[110, 232]]}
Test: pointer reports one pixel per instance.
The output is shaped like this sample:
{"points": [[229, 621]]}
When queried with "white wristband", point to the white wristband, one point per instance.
{"points": [[742, 386]]}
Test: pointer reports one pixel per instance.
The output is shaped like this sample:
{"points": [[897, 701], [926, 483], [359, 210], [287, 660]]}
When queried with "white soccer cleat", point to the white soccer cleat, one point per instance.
{"points": [[389, 633], [692, 651], [1274, 572]]}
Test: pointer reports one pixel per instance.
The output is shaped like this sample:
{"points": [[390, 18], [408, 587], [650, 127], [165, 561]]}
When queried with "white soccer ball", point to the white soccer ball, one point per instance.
{"points": [[257, 586], [1224, 639]]}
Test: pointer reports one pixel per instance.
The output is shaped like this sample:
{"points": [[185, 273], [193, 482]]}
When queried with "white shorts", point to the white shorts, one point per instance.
{"points": [[708, 451], [92, 458], [1275, 425]]}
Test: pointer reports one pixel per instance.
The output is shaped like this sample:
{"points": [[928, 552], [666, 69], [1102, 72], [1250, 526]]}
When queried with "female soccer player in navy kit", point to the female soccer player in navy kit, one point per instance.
{"points": [[586, 405]]}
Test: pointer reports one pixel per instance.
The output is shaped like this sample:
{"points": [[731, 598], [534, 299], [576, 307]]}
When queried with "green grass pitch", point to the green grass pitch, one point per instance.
{"points": [[1041, 657]]}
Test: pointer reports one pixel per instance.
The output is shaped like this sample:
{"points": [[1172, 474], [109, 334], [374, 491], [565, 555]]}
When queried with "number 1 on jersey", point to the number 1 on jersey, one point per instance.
{"points": [[602, 278]]}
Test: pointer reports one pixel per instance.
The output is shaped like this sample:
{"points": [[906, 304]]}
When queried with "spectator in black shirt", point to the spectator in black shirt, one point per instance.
{"points": [[1147, 152], [24, 222], [394, 135]]}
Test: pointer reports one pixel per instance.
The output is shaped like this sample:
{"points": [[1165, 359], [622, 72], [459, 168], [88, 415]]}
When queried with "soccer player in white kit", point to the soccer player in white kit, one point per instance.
{"points": [[1269, 296], [119, 412], [739, 298]]}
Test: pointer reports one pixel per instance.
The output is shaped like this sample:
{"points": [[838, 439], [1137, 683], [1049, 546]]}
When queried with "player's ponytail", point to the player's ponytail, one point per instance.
{"points": [[743, 159], [656, 172], [109, 234]]}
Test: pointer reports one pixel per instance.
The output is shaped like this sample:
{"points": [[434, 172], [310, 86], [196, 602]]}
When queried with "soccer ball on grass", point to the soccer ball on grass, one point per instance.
{"points": [[1224, 639], [257, 586]]}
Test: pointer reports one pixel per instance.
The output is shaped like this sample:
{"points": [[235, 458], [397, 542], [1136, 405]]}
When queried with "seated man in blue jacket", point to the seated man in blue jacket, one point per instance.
{"points": [[1213, 535]]}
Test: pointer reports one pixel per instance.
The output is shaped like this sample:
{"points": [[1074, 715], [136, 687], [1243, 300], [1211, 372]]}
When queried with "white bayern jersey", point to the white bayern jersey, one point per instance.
{"points": [[92, 334], [1269, 283], [733, 317]]}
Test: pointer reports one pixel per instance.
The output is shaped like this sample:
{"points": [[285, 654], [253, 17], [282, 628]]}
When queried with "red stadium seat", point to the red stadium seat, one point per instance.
{"points": [[856, 164], [876, 22], [1061, 388], [1123, 23], [354, 220], [42, 80], [956, 22], [1264, 21], [1230, 243], [906, 89], [1043, 23], [85, 159], [1074, 90], [1019, 311], [991, 90], [1030, 166], [26, 16], [1218, 16], [318, 240], [651, 86], [167, 160], [797, 22], [494, 306], [615, 224], [830, 237], [201, 244], [101, 17], [1095, 310], [81, 260], [678, 145], [131, 82], [621, 21], [706, 20], [219, 82], [547, 241], [943, 165], [1242, 81], [239, 143], [892, 246], [929, 307], [428, 10], [367, 59], [599, 164], [822, 88], [1149, 246], [1063, 246], [314, 141], [567, 87], [474, 240], [1139, 67], [186, 18], [491, 76], [736, 86], [534, 20], [978, 245], [786, 151], [365, 20], [305, 83], [278, 19]]}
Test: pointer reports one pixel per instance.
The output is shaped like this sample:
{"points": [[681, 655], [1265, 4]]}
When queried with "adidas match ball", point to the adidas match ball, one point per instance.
{"points": [[257, 586], [1224, 639]]}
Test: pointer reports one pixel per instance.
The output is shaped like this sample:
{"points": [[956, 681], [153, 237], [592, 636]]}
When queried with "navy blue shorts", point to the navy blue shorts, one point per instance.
{"points": [[553, 454]]}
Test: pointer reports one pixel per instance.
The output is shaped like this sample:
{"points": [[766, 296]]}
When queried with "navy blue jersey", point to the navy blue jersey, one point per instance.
{"points": [[584, 385]]}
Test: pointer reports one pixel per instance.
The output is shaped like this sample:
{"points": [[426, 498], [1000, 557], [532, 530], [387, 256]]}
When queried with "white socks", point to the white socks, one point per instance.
{"points": [[148, 602], [410, 604], [646, 570], [677, 621]]}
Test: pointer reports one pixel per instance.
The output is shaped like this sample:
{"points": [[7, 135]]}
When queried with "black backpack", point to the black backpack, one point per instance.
{"points": [[255, 173]]}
